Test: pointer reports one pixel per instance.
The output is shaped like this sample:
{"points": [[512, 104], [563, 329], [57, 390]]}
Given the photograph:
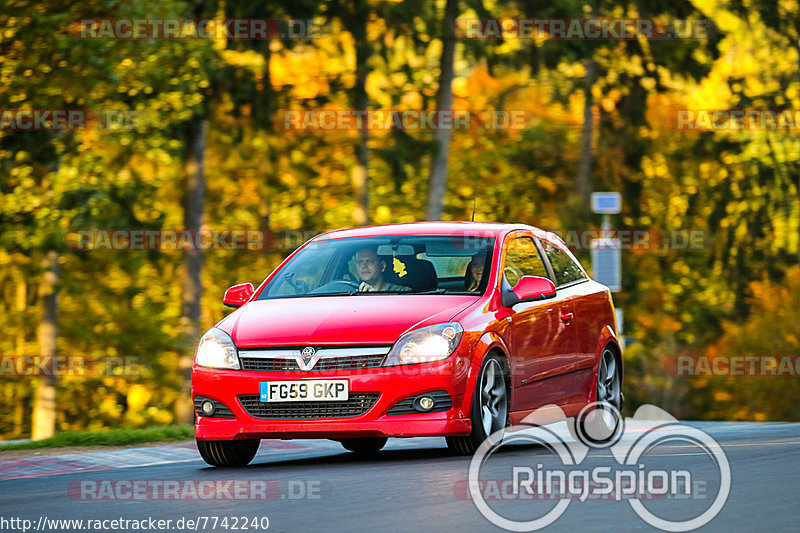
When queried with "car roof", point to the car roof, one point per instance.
{"points": [[488, 229]]}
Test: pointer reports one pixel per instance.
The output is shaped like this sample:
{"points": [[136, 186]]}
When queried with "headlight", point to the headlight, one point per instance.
{"points": [[217, 350], [432, 343]]}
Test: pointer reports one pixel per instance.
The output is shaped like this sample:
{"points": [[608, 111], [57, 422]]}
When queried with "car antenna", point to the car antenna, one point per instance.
{"points": [[474, 198]]}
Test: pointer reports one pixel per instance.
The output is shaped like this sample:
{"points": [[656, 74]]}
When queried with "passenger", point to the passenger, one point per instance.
{"points": [[370, 269], [474, 273]]}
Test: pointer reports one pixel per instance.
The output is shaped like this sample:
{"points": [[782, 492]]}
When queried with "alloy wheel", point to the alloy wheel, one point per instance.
{"points": [[493, 402]]}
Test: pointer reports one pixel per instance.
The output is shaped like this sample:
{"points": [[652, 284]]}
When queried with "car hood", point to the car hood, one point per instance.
{"points": [[343, 320]]}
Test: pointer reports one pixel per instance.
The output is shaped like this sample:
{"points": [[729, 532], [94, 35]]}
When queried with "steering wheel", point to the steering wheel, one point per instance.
{"points": [[338, 285]]}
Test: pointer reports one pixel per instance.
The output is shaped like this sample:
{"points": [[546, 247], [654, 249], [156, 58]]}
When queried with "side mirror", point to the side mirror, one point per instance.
{"points": [[238, 295], [527, 289]]}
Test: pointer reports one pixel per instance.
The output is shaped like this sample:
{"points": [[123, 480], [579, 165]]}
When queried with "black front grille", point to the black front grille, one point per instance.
{"points": [[270, 365], [348, 363], [358, 404], [441, 402], [331, 363]]}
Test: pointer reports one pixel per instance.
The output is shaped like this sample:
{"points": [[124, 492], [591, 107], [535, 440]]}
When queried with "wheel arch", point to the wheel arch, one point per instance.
{"points": [[489, 343], [607, 339]]}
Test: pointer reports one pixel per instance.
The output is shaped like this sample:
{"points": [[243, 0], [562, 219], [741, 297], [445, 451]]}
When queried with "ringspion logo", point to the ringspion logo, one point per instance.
{"points": [[632, 476]]}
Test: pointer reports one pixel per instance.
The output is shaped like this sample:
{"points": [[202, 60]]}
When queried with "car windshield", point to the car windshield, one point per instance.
{"points": [[428, 264]]}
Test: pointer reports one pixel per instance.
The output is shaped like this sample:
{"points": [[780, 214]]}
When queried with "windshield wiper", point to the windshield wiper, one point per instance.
{"points": [[366, 293], [432, 291], [314, 295]]}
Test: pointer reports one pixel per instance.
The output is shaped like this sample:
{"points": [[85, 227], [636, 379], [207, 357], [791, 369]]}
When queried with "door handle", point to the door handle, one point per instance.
{"points": [[566, 317]]}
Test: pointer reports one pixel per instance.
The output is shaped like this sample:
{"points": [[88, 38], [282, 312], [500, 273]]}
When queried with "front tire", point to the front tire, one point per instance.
{"points": [[365, 446], [490, 406], [228, 452]]}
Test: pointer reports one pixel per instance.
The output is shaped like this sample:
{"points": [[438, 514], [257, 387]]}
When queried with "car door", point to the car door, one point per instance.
{"points": [[587, 309], [542, 342]]}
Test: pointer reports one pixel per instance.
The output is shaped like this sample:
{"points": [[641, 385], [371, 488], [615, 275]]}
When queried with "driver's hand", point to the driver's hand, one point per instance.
{"points": [[365, 287]]}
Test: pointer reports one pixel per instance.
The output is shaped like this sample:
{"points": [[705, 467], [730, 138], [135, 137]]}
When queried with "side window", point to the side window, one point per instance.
{"points": [[448, 266], [564, 268], [522, 259]]}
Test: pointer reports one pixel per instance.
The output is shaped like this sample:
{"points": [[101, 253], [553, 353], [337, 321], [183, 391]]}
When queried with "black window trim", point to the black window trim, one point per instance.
{"points": [[537, 241], [331, 269], [546, 260], [571, 283], [552, 273], [522, 234]]}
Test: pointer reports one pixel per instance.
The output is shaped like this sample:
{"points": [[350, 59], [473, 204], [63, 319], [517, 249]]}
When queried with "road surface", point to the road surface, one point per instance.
{"points": [[412, 485]]}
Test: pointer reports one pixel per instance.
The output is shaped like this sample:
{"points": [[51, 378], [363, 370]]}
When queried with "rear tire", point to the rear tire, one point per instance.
{"points": [[600, 424], [490, 406], [228, 452], [365, 446]]}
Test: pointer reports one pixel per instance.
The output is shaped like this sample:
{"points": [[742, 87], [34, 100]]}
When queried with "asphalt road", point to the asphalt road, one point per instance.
{"points": [[412, 485]]}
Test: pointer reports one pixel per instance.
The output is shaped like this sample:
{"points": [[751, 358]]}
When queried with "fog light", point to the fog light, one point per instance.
{"points": [[208, 408], [425, 403]]}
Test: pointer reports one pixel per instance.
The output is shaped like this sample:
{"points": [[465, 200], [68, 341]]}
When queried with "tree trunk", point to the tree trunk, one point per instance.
{"points": [[360, 173], [193, 206], [44, 403], [583, 180], [444, 101], [21, 387], [797, 49]]}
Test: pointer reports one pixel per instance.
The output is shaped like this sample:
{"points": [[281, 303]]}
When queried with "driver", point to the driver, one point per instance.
{"points": [[370, 269]]}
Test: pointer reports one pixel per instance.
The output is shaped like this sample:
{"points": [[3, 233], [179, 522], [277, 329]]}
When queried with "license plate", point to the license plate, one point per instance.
{"points": [[321, 390]]}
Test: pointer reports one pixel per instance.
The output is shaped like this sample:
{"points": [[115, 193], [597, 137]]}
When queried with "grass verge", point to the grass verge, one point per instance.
{"points": [[112, 437]]}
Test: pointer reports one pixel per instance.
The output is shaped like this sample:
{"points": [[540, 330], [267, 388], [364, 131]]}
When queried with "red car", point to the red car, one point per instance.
{"points": [[455, 329]]}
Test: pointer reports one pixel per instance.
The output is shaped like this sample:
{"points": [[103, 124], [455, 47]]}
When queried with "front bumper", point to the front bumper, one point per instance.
{"points": [[393, 383]]}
